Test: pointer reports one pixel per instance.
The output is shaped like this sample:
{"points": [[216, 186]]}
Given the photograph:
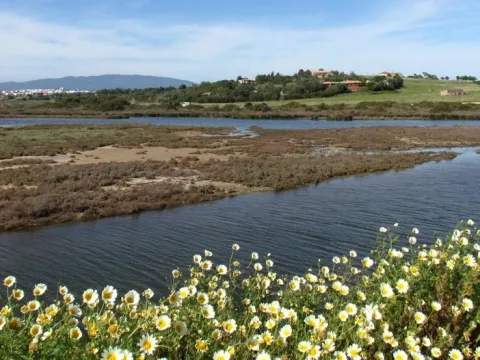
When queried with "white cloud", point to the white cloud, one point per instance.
{"points": [[394, 40]]}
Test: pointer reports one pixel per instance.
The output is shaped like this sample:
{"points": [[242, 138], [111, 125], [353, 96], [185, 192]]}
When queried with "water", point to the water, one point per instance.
{"points": [[297, 227], [241, 124]]}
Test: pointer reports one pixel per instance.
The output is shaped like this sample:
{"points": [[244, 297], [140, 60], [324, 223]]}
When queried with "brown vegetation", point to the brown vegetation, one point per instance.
{"points": [[24, 162], [281, 173], [293, 110], [366, 138], [62, 139], [44, 194]]}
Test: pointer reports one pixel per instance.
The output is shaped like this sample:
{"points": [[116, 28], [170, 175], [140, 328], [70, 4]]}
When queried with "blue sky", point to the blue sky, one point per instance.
{"points": [[213, 39]]}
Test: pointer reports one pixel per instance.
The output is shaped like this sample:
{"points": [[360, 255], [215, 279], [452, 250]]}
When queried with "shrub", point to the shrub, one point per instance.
{"points": [[405, 299]]}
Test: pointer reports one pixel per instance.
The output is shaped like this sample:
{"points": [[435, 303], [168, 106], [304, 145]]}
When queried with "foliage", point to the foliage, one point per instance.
{"points": [[405, 301], [381, 83], [467, 78], [424, 75]]}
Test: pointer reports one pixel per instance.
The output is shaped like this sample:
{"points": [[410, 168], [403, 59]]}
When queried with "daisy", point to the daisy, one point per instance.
{"points": [[180, 328], [311, 321], [90, 296], [367, 262], [467, 304], [109, 294], [75, 333], [222, 269], [63, 290], [400, 355], [208, 312], [33, 305], [132, 298], [74, 310], [206, 265], [68, 298], [419, 317], [263, 356], [230, 326], [39, 289], [386, 290], [184, 292], [148, 344], [304, 346], [201, 346], [163, 322], [402, 286], [455, 355], [112, 354], [36, 330], [343, 315], [18, 294], [148, 294], [436, 352], [221, 355], [351, 309], [339, 355], [469, 260], [9, 281], [353, 352], [294, 285], [285, 331]]}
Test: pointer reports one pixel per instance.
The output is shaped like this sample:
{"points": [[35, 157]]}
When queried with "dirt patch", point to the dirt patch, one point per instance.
{"points": [[188, 182], [189, 133], [11, 186], [157, 153]]}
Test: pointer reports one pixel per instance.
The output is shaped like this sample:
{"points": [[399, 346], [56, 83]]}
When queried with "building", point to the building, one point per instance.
{"points": [[352, 85], [453, 92], [244, 80], [388, 74], [321, 73]]}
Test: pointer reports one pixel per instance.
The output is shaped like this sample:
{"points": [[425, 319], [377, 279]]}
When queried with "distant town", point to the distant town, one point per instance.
{"points": [[36, 92]]}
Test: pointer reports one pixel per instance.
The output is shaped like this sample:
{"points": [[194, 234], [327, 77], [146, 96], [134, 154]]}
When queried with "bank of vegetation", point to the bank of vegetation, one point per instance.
{"points": [[428, 110], [410, 299]]}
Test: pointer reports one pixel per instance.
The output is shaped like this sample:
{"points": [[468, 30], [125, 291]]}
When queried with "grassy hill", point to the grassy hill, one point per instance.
{"points": [[414, 91]]}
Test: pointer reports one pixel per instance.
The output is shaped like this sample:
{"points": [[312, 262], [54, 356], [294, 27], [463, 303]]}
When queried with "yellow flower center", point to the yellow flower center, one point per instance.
{"points": [[147, 345]]}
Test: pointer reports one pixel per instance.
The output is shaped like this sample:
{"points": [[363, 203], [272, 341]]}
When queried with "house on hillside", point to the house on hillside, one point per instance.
{"points": [[453, 92], [321, 73], [244, 80], [352, 85], [388, 74]]}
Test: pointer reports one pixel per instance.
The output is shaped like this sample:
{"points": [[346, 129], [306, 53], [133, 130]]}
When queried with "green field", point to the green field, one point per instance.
{"points": [[415, 90]]}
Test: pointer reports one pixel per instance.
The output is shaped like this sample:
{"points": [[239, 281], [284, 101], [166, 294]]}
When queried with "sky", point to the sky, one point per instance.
{"points": [[216, 39]]}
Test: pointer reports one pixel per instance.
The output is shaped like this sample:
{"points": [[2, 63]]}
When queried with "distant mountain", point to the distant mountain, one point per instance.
{"points": [[97, 83]]}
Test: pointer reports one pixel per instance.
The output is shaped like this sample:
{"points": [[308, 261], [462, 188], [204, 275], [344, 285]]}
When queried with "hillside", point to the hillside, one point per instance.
{"points": [[97, 83], [414, 91]]}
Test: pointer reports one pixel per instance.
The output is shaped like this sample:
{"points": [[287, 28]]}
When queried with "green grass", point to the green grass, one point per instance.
{"points": [[415, 90]]}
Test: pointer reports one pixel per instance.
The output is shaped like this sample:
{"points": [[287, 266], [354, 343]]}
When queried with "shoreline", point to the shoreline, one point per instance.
{"points": [[270, 115]]}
